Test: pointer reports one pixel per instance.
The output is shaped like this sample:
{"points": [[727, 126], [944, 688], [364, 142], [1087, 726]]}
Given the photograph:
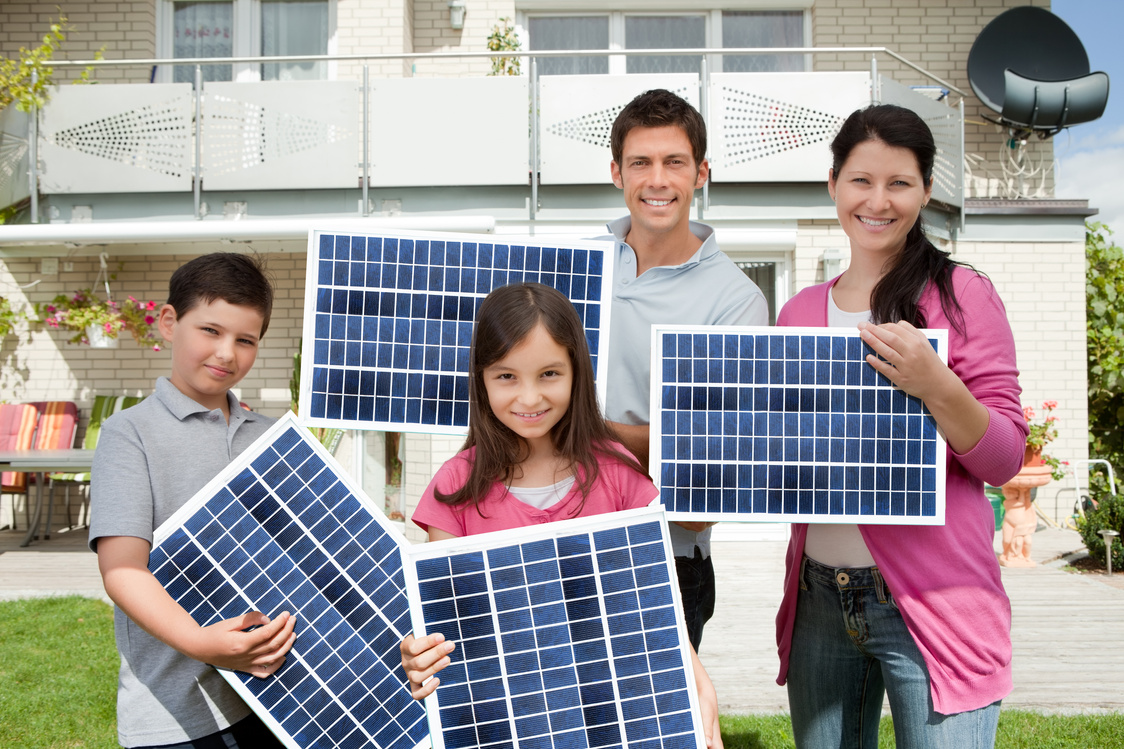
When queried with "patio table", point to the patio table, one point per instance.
{"points": [[42, 462]]}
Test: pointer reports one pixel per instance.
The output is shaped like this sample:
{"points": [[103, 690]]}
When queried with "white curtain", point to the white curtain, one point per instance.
{"points": [[664, 32], [570, 32], [294, 27], [203, 29], [762, 29]]}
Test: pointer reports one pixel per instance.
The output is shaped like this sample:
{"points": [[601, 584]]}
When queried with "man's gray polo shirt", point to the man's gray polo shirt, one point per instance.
{"points": [[708, 289], [150, 460]]}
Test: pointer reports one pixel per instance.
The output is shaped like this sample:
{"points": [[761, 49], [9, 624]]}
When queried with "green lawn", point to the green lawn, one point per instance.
{"points": [[58, 681]]}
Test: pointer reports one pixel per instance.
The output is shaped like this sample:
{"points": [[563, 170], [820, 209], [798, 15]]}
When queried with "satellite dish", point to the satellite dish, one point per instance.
{"points": [[1029, 66]]}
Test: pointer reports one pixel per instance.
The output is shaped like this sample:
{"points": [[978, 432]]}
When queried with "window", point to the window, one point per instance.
{"points": [[709, 28], [246, 28], [762, 29]]}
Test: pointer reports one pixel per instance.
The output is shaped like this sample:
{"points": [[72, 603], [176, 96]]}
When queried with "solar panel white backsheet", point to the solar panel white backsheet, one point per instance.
{"points": [[284, 529], [789, 424]]}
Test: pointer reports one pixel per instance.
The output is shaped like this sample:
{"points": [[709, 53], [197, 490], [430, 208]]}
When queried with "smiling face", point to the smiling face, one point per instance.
{"points": [[659, 176], [878, 195], [529, 389], [214, 345]]}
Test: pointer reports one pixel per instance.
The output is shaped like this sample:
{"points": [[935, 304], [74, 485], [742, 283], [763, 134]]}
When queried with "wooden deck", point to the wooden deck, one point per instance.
{"points": [[1067, 628]]}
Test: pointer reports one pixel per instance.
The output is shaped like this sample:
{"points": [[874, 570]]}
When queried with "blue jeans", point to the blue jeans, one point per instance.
{"points": [[696, 590], [850, 647]]}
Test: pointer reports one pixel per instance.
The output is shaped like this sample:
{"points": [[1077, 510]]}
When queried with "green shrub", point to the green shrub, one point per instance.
{"points": [[1109, 515]]}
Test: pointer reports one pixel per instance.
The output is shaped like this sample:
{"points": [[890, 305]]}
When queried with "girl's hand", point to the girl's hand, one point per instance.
{"points": [[421, 659], [905, 357]]}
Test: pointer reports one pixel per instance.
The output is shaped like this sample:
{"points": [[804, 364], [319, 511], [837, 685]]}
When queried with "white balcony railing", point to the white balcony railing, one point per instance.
{"points": [[440, 132]]}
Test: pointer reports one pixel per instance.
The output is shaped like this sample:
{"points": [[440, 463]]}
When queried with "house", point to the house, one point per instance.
{"points": [[127, 170]]}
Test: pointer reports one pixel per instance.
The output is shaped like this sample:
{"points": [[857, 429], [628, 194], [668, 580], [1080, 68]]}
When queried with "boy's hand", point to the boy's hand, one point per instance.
{"points": [[258, 652], [421, 659]]}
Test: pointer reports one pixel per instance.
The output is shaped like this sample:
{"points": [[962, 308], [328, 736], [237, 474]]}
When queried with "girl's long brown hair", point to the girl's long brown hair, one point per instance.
{"points": [[505, 319]]}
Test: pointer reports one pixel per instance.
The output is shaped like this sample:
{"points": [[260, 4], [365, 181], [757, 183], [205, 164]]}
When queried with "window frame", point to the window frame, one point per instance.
{"points": [[619, 9], [247, 20]]}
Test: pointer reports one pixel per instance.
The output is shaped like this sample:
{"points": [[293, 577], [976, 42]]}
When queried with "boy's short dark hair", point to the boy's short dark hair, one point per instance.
{"points": [[659, 108], [229, 276]]}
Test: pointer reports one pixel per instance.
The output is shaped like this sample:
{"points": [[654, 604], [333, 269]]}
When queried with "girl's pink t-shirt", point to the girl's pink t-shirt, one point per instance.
{"points": [[617, 487]]}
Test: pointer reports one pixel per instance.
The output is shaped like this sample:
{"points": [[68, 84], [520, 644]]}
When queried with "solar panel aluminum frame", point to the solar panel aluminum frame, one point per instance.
{"points": [[565, 529], [212, 580], [418, 378], [733, 464]]}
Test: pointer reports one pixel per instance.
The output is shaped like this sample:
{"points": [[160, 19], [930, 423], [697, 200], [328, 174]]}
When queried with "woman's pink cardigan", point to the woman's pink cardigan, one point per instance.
{"points": [[945, 579]]}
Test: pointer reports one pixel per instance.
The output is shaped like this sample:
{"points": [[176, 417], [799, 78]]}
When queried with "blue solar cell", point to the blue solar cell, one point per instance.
{"points": [[408, 283], [268, 560], [739, 398], [560, 661]]}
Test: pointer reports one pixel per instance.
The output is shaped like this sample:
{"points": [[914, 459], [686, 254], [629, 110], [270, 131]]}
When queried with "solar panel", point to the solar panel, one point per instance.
{"points": [[388, 320], [569, 636], [789, 424], [282, 529]]}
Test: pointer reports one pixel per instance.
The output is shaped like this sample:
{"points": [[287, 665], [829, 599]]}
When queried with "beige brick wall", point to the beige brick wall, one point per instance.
{"points": [[432, 33], [374, 27], [934, 34], [422, 455], [39, 364], [1043, 288], [126, 30]]}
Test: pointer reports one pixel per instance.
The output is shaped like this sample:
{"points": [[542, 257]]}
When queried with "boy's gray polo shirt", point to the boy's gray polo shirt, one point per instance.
{"points": [[150, 460], [708, 289]]}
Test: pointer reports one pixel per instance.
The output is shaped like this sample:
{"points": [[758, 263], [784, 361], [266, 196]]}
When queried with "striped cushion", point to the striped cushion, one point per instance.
{"points": [[17, 432], [104, 407]]}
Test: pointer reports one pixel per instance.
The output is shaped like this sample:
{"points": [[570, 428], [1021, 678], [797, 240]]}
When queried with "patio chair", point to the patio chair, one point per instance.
{"points": [[17, 432], [58, 423], [104, 407]]}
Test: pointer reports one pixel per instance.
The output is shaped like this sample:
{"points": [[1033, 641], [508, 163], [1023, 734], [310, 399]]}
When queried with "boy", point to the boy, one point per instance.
{"points": [[668, 270], [150, 460]]}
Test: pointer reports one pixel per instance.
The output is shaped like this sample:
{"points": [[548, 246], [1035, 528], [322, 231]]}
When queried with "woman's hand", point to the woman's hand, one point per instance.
{"points": [[907, 359]]}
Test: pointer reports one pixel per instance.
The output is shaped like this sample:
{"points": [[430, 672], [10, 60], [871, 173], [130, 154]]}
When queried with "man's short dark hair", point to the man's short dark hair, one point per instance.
{"points": [[659, 108], [229, 276]]}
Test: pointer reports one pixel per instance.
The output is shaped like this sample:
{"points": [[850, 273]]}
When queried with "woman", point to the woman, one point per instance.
{"points": [[915, 612]]}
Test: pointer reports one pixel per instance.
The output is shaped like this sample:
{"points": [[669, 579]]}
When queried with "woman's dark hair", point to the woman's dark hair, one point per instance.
{"points": [[504, 320], [897, 294]]}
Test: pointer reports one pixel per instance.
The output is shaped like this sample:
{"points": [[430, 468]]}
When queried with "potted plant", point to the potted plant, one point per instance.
{"points": [[96, 322], [1041, 434]]}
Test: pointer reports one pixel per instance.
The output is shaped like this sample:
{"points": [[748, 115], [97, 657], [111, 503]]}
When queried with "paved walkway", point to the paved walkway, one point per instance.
{"points": [[1066, 630]]}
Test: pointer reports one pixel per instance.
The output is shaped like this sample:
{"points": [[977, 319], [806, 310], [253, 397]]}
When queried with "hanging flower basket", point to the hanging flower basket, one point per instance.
{"points": [[98, 323]]}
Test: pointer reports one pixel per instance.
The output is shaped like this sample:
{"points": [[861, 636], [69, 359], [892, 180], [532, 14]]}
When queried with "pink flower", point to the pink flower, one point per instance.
{"points": [[156, 347], [1050, 405], [149, 319], [109, 327], [1028, 413], [150, 306], [1051, 419]]}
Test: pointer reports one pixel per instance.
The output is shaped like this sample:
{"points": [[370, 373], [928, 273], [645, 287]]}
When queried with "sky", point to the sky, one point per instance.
{"points": [[1091, 156]]}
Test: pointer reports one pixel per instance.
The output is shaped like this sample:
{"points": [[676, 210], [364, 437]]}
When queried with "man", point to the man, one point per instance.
{"points": [[668, 270]]}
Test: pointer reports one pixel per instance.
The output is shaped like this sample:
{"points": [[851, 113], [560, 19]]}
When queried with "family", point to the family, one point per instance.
{"points": [[917, 614]]}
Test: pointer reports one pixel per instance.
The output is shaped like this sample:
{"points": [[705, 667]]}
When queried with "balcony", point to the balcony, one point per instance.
{"points": [[498, 145]]}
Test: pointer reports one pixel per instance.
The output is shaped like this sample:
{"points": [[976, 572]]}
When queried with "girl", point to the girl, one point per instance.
{"points": [[537, 449], [918, 612]]}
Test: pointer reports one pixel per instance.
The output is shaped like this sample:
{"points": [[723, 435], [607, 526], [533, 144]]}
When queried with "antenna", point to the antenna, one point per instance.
{"points": [[1029, 67]]}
